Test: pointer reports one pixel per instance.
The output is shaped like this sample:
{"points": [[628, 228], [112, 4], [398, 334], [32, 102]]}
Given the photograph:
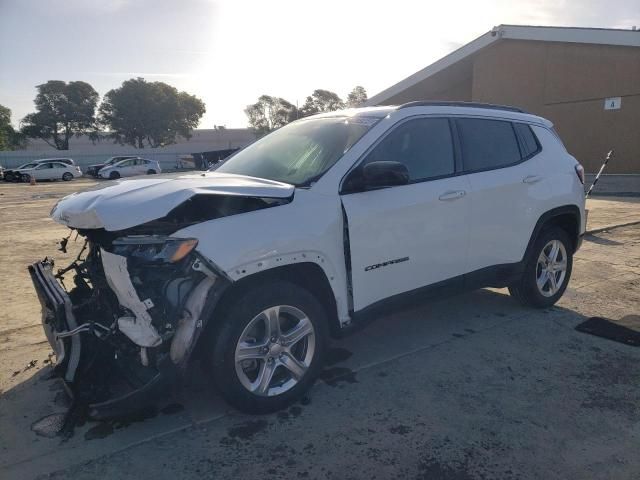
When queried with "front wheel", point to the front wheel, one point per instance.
{"points": [[269, 347], [151, 172], [26, 178], [114, 175], [547, 270]]}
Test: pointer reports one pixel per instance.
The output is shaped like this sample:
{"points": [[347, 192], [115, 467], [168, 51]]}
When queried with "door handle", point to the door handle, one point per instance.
{"points": [[452, 195], [531, 179]]}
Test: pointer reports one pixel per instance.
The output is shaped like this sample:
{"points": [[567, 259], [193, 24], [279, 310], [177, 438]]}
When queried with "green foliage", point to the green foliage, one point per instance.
{"points": [[357, 97], [62, 110], [9, 138], [269, 113], [322, 101], [151, 112]]}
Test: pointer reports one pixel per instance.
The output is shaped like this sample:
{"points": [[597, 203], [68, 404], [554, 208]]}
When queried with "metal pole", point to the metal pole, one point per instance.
{"points": [[606, 160]]}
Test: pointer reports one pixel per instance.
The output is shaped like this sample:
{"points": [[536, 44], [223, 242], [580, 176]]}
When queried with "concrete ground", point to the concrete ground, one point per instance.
{"points": [[469, 387]]}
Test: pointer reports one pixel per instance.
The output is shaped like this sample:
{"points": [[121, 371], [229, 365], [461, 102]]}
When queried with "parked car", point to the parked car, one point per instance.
{"points": [[303, 235], [1, 172], [52, 170], [10, 175], [129, 168], [14, 175], [94, 169]]}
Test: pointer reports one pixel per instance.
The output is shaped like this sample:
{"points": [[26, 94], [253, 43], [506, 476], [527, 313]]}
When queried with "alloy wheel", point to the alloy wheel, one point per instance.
{"points": [[275, 350], [551, 269]]}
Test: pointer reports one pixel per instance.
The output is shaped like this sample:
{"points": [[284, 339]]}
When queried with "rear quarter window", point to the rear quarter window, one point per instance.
{"points": [[487, 144], [528, 142]]}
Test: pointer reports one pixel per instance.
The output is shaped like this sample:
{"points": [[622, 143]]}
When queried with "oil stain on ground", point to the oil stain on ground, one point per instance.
{"points": [[247, 430], [337, 375], [337, 355]]}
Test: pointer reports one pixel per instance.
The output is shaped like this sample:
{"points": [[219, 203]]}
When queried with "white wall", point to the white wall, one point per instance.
{"points": [[84, 152]]}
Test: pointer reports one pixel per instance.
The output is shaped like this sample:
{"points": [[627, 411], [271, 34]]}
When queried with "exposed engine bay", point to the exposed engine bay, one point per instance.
{"points": [[134, 309]]}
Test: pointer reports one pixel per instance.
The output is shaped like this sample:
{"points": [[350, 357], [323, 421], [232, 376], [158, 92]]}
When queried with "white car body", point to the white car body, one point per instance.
{"points": [[51, 170], [130, 167], [491, 225], [383, 204]]}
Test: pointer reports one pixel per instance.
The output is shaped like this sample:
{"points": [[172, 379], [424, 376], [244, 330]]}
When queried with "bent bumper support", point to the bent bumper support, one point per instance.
{"points": [[57, 315]]}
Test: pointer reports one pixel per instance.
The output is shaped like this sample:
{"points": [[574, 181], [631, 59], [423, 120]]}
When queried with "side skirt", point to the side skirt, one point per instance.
{"points": [[498, 276]]}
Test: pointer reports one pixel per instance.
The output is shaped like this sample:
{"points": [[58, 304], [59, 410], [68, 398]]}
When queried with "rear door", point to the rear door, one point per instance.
{"points": [[409, 236], [42, 171], [127, 168], [509, 188]]}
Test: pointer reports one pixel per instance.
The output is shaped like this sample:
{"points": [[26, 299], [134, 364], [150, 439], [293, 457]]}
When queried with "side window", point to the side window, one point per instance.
{"points": [[487, 144], [424, 145], [528, 141]]}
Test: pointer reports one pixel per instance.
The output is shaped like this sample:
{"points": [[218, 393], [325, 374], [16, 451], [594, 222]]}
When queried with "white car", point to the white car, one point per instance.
{"points": [[129, 168], [304, 234], [49, 170]]}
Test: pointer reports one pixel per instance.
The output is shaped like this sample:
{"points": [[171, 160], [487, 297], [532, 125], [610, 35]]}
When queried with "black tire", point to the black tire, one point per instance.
{"points": [[8, 177], [236, 317], [526, 290], [26, 178], [66, 176], [151, 171], [114, 175]]}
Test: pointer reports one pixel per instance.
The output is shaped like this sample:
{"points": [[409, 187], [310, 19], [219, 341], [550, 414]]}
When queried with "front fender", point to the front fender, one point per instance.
{"points": [[308, 229]]}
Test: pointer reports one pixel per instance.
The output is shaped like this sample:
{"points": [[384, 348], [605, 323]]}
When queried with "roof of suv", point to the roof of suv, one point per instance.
{"points": [[445, 107]]}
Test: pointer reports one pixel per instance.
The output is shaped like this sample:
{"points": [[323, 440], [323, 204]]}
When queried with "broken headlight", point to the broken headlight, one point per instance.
{"points": [[154, 249]]}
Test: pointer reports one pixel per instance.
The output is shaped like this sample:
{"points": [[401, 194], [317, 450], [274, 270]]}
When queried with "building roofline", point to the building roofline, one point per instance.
{"points": [[597, 36]]}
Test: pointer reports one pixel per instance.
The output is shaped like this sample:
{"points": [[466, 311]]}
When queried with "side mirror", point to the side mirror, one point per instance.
{"points": [[385, 174]]}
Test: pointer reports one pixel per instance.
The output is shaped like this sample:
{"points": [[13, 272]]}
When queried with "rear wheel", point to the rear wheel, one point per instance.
{"points": [[547, 270], [67, 176], [151, 172], [269, 347], [114, 175]]}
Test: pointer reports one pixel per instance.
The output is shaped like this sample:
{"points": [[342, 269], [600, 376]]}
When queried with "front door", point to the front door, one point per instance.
{"points": [[409, 236]]}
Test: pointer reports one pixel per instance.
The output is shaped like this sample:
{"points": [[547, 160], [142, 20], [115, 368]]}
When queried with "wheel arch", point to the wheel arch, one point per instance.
{"points": [[308, 275], [566, 217]]}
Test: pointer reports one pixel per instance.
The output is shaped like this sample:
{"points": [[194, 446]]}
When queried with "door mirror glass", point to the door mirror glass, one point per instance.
{"points": [[385, 174]]}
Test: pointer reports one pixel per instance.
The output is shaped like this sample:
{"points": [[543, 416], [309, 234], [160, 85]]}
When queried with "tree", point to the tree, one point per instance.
{"points": [[357, 97], [151, 112], [322, 101], [9, 138], [62, 110], [270, 113]]}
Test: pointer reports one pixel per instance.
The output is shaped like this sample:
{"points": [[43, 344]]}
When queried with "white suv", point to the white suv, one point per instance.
{"points": [[301, 236]]}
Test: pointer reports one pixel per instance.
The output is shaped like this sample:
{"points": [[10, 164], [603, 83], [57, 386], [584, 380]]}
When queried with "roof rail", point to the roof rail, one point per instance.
{"points": [[437, 103]]}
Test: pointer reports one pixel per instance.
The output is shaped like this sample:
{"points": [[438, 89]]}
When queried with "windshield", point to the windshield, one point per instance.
{"points": [[301, 152], [27, 165]]}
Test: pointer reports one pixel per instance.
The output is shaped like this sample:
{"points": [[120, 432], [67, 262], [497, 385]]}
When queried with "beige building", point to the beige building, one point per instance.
{"points": [[586, 81]]}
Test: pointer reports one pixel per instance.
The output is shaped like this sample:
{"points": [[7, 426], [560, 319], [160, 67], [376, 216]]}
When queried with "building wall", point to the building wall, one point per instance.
{"points": [[567, 83], [452, 83]]}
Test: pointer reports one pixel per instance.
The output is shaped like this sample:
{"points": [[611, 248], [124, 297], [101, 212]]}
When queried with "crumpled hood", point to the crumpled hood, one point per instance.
{"points": [[129, 203]]}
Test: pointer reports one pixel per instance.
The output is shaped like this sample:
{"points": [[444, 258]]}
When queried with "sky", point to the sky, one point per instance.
{"points": [[229, 52]]}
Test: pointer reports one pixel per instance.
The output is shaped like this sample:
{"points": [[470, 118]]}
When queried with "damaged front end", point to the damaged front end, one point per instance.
{"points": [[125, 316]]}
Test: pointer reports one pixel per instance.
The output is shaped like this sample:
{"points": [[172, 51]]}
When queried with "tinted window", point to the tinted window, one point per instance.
{"points": [[423, 145], [487, 143], [528, 142]]}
